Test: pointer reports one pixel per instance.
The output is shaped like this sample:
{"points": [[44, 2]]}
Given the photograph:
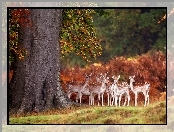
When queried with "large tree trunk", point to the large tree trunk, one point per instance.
{"points": [[36, 84]]}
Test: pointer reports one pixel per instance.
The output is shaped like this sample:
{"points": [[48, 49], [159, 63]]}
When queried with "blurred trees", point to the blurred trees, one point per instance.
{"points": [[89, 33], [130, 32]]}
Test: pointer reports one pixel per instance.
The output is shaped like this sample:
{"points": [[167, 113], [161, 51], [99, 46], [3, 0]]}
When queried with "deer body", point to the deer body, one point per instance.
{"points": [[136, 90], [79, 89], [99, 90], [119, 90], [123, 91]]}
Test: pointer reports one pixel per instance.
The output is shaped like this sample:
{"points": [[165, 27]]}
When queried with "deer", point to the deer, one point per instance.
{"points": [[138, 89], [118, 90], [110, 91], [123, 90], [99, 90], [79, 89], [86, 89]]}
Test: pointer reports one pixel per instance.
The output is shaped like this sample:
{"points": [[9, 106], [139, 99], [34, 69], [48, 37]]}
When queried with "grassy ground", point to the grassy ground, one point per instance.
{"points": [[152, 114]]}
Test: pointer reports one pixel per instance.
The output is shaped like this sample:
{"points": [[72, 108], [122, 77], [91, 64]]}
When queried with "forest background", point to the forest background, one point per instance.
{"points": [[133, 41], [119, 41]]}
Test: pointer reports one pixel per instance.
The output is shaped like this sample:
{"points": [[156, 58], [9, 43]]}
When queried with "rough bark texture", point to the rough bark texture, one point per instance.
{"points": [[20, 68], [37, 77]]}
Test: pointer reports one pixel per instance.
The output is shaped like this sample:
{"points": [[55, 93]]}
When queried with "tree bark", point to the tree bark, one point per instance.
{"points": [[38, 83]]}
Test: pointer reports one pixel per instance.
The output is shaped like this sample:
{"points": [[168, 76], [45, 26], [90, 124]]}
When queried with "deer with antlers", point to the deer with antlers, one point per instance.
{"points": [[138, 89], [79, 89]]}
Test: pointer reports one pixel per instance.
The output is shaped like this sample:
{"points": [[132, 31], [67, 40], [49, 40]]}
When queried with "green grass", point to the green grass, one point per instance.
{"points": [[152, 114]]}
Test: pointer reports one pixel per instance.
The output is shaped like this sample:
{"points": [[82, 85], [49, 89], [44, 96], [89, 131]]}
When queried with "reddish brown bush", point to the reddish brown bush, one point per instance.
{"points": [[150, 68]]}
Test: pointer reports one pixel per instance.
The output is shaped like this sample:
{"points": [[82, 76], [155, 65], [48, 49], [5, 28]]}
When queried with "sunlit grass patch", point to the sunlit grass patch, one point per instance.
{"points": [[152, 114]]}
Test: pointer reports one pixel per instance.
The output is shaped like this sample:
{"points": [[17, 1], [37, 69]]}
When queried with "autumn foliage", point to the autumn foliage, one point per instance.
{"points": [[149, 67], [17, 18]]}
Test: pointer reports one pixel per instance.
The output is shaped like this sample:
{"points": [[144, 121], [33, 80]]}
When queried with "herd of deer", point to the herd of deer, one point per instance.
{"points": [[114, 90]]}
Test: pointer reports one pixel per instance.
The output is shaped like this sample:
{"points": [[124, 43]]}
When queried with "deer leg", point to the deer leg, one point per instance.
{"points": [[92, 100], [116, 98], [120, 100], [145, 100], [80, 98], [128, 100], [125, 100], [148, 99], [98, 99], [102, 100]]}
